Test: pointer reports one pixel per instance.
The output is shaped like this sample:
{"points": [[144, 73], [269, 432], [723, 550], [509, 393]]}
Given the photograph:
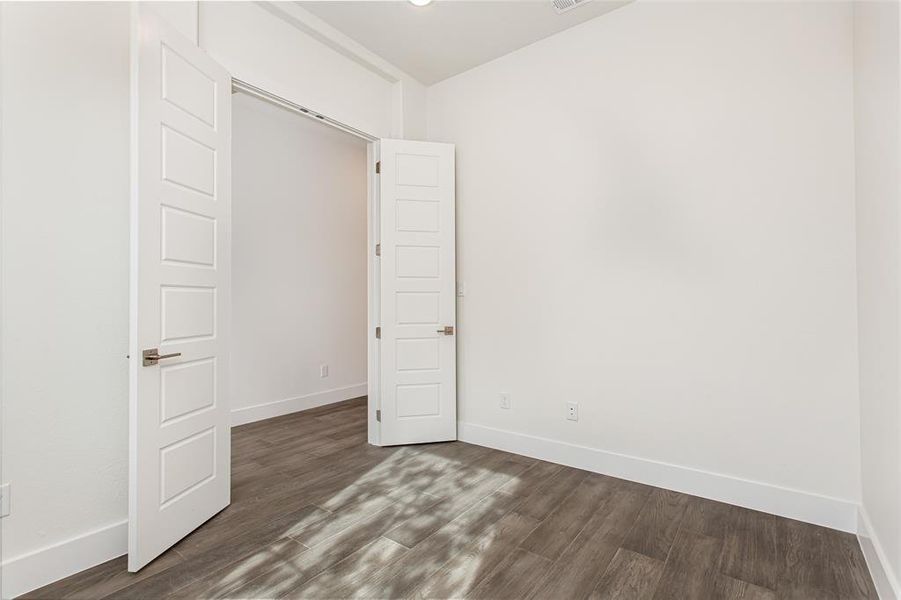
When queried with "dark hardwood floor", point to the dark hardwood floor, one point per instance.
{"points": [[318, 513]]}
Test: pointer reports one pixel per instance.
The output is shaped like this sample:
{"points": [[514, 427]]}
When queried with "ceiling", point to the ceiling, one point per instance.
{"points": [[447, 37]]}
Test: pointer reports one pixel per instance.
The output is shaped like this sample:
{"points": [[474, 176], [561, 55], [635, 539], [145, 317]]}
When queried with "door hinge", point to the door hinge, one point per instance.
{"points": [[378, 167], [378, 333], [378, 249], [378, 416]]}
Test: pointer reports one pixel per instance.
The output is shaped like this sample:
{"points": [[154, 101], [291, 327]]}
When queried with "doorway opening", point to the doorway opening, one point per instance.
{"points": [[299, 262], [241, 89]]}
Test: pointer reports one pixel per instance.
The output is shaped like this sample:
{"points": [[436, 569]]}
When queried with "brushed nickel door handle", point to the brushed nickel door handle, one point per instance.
{"points": [[153, 356], [448, 330]]}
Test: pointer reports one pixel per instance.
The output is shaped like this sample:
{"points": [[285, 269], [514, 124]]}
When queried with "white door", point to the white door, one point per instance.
{"points": [[418, 399], [179, 421]]}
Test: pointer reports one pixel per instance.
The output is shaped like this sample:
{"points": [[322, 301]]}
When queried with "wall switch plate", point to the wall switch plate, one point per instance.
{"points": [[504, 400], [323, 370], [4, 500], [572, 411]]}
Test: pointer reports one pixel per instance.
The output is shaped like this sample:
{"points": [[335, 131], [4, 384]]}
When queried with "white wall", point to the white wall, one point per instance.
{"points": [[259, 48], [180, 14], [298, 260], [64, 274], [656, 220], [415, 110], [878, 159]]}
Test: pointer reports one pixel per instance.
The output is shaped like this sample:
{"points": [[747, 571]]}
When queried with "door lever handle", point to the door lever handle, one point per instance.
{"points": [[153, 356], [447, 330]]}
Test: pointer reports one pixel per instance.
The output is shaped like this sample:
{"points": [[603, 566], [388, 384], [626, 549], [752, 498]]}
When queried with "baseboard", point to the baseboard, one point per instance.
{"points": [[884, 577], [795, 504], [30, 571], [249, 414]]}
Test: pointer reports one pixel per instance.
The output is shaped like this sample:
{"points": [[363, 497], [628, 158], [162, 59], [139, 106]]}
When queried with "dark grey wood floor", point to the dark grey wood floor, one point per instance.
{"points": [[318, 513]]}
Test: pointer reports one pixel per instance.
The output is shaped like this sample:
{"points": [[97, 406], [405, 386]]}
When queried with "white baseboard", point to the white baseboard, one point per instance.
{"points": [[30, 571], [795, 504], [884, 577], [249, 414]]}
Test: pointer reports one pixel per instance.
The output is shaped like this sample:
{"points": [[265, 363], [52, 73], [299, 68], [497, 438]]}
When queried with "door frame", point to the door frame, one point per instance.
{"points": [[373, 280]]}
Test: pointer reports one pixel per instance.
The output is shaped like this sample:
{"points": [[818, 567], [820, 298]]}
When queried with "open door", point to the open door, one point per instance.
{"points": [[179, 473], [418, 387]]}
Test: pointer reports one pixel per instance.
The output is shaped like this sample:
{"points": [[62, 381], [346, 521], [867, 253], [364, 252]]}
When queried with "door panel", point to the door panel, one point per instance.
{"points": [[179, 422], [417, 279]]}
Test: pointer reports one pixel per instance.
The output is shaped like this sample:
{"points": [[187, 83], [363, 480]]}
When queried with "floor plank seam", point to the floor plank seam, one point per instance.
{"points": [[638, 512], [578, 533], [666, 560], [401, 543], [531, 531], [320, 507], [535, 554]]}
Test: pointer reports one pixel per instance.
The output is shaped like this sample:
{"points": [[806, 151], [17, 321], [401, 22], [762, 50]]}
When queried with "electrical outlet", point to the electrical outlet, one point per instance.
{"points": [[572, 411], [461, 289], [323, 370], [504, 400], [4, 500]]}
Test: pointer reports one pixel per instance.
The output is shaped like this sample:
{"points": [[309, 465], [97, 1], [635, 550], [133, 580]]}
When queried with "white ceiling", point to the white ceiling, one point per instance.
{"points": [[447, 37]]}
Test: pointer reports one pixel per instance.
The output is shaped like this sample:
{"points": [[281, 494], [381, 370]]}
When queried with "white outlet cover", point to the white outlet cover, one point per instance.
{"points": [[323, 370], [4, 500], [572, 411], [504, 400]]}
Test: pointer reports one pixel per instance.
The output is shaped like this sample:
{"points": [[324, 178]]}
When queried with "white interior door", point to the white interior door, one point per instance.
{"points": [[418, 357], [179, 421]]}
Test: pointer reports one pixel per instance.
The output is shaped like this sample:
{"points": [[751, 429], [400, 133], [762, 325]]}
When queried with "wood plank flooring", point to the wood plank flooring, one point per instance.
{"points": [[318, 513]]}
